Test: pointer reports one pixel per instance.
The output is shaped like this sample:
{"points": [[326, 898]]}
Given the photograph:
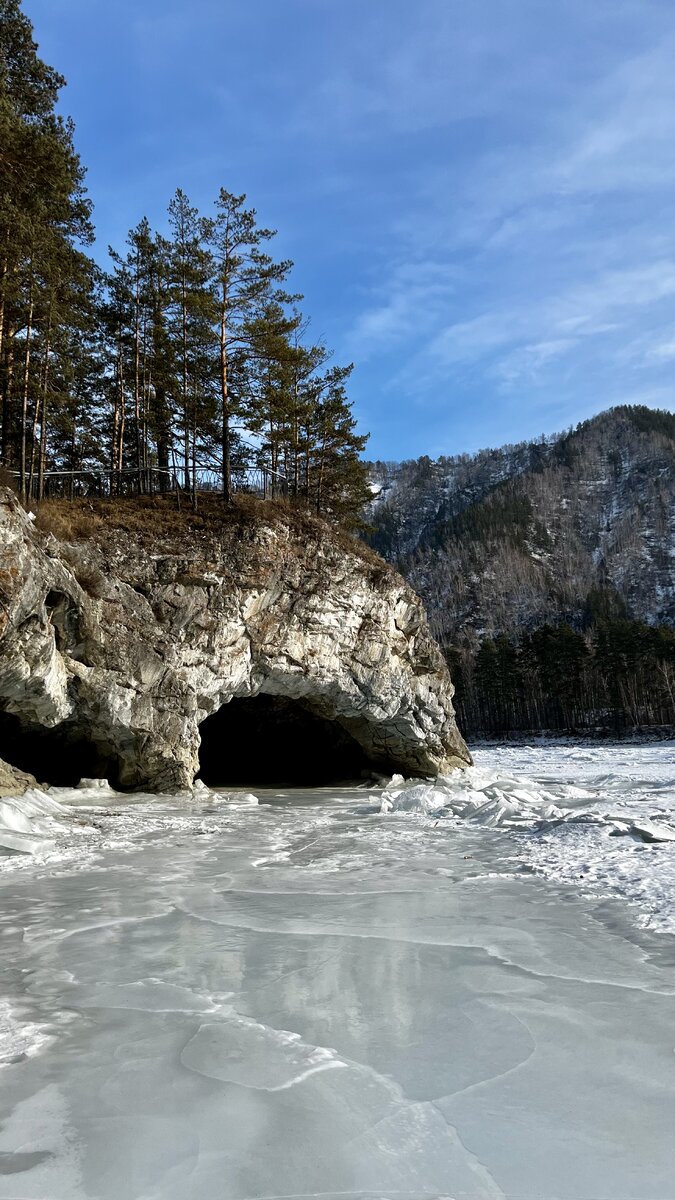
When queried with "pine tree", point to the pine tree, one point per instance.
{"points": [[336, 483], [44, 216], [188, 343], [190, 321], [246, 282]]}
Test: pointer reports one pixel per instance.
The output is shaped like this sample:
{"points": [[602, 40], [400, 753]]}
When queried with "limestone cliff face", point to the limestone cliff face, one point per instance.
{"points": [[128, 644]]}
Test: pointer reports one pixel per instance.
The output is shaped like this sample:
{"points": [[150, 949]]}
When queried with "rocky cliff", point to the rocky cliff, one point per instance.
{"points": [[14, 782], [116, 648]]}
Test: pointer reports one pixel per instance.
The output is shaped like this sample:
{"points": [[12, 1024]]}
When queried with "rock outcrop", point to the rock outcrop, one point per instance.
{"points": [[124, 643], [14, 782]]}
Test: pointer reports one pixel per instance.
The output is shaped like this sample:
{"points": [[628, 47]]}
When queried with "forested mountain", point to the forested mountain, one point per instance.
{"points": [[187, 351], [540, 563]]}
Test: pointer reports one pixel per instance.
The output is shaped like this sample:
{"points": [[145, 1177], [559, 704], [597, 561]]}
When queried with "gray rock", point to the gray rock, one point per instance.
{"points": [[129, 646]]}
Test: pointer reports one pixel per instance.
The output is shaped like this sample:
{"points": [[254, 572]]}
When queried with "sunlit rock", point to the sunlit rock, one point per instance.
{"points": [[114, 650]]}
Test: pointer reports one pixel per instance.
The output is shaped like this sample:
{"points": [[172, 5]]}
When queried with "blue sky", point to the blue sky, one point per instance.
{"points": [[478, 194]]}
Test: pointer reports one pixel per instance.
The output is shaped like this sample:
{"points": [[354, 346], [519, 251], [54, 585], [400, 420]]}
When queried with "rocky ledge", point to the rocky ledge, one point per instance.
{"points": [[14, 782], [116, 645]]}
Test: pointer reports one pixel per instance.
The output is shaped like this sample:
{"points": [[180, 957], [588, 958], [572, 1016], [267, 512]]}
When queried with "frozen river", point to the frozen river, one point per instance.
{"points": [[463, 989]]}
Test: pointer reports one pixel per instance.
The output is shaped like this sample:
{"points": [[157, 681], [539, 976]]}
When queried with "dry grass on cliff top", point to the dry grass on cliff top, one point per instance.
{"points": [[155, 523]]}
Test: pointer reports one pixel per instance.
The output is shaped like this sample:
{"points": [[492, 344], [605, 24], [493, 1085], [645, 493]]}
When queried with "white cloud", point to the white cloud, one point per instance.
{"points": [[664, 352], [628, 128], [561, 250], [416, 293]]}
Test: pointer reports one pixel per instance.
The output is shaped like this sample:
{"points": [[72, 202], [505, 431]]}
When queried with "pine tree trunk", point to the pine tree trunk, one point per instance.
{"points": [[7, 407], [319, 480], [73, 460], [137, 384], [42, 457], [24, 398], [186, 414], [296, 443], [4, 271], [225, 415], [145, 394], [273, 455], [119, 423], [36, 419], [194, 450]]}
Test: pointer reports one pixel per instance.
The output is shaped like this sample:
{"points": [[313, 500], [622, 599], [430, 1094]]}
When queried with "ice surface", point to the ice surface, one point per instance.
{"points": [[459, 989], [241, 1051]]}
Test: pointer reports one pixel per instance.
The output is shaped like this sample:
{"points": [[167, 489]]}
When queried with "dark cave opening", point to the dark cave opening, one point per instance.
{"points": [[58, 756], [274, 741]]}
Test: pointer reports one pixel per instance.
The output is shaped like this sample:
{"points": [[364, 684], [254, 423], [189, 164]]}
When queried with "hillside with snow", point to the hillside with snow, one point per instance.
{"points": [[571, 531], [508, 538]]}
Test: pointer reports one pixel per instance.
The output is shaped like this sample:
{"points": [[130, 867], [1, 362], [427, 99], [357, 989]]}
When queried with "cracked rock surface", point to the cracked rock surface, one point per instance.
{"points": [[129, 646]]}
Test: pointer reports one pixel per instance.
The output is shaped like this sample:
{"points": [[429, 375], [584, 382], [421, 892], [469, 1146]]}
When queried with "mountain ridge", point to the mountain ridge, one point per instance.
{"points": [[581, 507], [562, 547]]}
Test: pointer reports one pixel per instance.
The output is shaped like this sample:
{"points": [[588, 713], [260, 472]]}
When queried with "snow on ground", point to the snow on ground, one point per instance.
{"points": [[600, 818], [620, 843], [457, 989]]}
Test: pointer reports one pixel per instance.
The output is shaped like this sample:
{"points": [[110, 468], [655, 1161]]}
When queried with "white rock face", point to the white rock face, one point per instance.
{"points": [[129, 646]]}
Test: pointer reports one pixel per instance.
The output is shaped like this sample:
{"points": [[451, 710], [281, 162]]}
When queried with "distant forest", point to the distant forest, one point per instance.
{"points": [[614, 676], [188, 351]]}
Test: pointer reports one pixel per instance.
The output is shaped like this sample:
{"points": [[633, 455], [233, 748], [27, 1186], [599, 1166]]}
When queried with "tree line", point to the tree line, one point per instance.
{"points": [[619, 674], [188, 351]]}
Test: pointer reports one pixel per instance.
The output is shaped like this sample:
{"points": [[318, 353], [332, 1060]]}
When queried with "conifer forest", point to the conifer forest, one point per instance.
{"points": [[185, 362]]}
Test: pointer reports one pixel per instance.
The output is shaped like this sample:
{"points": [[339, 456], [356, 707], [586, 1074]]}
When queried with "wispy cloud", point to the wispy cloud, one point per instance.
{"points": [[561, 251], [627, 138], [525, 341], [415, 293]]}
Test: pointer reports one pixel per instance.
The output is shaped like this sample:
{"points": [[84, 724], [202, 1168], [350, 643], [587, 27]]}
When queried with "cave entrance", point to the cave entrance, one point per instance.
{"points": [[274, 741], [57, 757]]}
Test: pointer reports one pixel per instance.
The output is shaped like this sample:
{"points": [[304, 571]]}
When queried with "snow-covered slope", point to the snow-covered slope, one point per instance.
{"points": [[508, 539]]}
